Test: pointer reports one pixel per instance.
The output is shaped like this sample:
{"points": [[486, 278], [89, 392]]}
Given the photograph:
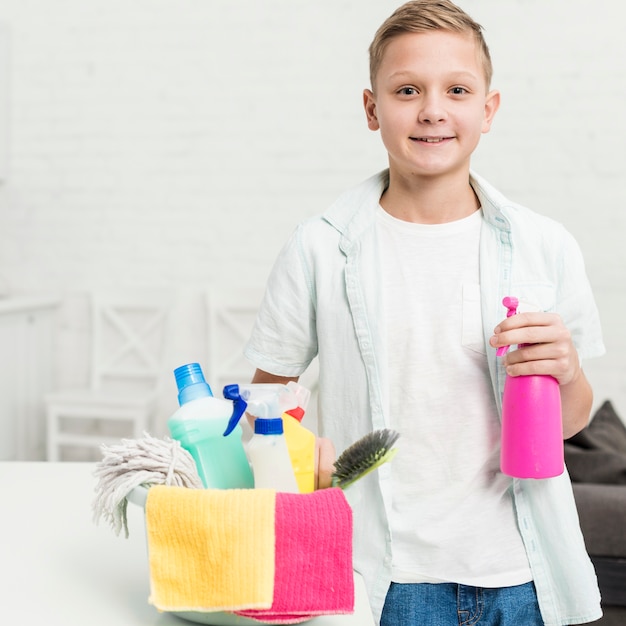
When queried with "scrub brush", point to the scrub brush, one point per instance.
{"points": [[364, 456]]}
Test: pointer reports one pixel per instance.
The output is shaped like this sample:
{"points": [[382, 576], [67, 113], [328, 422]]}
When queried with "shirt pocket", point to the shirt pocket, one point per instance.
{"points": [[472, 336], [534, 297]]}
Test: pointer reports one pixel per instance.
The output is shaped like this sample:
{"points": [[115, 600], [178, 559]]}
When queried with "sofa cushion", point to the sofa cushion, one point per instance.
{"points": [[597, 454], [611, 574], [602, 514]]}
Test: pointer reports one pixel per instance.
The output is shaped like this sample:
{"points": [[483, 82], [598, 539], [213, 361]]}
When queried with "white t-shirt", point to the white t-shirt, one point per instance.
{"points": [[453, 517]]}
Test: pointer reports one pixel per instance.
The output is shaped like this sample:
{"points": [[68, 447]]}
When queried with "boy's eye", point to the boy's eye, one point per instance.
{"points": [[458, 91], [407, 91]]}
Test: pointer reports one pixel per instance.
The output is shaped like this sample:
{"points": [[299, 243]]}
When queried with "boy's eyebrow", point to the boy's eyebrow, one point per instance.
{"points": [[452, 75]]}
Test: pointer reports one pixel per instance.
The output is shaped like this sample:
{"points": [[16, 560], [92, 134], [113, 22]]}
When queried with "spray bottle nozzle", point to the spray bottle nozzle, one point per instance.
{"points": [[263, 400], [511, 303]]}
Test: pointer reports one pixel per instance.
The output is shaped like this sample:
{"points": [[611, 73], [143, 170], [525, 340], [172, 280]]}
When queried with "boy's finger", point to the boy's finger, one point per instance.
{"points": [[324, 462]]}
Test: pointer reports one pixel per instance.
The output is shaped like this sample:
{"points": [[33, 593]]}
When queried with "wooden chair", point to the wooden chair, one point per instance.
{"points": [[129, 333], [230, 313]]}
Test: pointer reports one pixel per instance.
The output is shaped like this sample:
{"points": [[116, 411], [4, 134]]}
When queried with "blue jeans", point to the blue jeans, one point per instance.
{"points": [[449, 604]]}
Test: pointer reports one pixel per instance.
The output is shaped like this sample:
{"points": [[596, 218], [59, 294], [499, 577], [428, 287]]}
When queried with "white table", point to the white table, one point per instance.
{"points": [[58, 568]]}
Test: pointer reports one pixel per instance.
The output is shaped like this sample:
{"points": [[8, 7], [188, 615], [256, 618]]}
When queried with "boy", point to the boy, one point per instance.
{"points": [[398, 288]]}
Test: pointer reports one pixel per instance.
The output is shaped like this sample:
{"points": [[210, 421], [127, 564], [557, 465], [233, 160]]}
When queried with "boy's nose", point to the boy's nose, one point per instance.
{"points": [[432, 111]]}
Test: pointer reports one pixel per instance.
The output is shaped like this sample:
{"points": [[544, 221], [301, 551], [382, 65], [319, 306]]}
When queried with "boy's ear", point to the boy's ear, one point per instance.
{"points": [[492, 104], [369, 104]]}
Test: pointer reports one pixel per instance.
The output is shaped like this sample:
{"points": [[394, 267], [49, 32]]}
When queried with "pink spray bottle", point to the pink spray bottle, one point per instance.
{"points": [[532, 431]]}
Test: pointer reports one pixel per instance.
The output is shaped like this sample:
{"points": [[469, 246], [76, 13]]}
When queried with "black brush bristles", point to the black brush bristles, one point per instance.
{"points": [[363, 456]]}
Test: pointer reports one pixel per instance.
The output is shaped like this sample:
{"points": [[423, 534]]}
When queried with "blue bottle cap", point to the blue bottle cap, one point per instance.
{"points": [[268, 426], [191, 384]]}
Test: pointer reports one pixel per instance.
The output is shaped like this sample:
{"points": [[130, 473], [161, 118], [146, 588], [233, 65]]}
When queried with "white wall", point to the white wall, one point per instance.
{"points": [[177, 143]]}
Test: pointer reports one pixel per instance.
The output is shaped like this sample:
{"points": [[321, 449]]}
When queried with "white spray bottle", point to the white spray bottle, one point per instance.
{"points": [[267, 449]]}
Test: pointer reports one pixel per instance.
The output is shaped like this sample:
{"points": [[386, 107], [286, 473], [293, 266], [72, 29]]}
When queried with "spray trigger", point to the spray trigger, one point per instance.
{"points": [[231, 392]]}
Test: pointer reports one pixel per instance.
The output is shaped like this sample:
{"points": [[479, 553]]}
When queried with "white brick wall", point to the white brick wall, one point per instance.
{"points": [[178, 142]]}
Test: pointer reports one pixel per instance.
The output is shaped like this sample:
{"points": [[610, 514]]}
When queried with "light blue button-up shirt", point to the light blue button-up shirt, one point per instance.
{"points": [[324, 298]]}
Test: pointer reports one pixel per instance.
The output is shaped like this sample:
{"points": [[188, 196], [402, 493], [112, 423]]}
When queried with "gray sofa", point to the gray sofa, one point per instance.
{"points": [[596, 461]]}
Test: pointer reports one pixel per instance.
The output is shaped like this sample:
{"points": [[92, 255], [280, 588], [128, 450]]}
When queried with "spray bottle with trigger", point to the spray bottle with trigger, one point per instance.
{"points": [[532, 431], [268, 450]]}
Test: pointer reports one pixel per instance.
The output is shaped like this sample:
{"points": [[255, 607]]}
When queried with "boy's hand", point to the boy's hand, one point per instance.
{"points": [[324, 462], [550, 350]]}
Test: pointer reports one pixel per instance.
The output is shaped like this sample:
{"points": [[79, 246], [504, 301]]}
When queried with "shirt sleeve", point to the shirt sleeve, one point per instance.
{"points": [[576, 303], [284, 340]]}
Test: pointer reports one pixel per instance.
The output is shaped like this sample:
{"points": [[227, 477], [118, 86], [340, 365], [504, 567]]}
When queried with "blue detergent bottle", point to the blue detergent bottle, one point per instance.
{"points": [[199, 425]]}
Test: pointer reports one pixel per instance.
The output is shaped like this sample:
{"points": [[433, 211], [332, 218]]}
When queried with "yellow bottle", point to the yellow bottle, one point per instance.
{"points": [[301, 446]]}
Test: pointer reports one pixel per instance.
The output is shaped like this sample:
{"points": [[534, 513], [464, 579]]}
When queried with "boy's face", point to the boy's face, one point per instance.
{"points": [[430, 103]]}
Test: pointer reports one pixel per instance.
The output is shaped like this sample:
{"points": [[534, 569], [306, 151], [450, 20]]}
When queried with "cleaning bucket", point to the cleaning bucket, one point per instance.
{"points": [[260, 556]]}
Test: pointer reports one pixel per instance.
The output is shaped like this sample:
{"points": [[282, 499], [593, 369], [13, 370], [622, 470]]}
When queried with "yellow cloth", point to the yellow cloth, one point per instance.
{"points": [[210, 549]]}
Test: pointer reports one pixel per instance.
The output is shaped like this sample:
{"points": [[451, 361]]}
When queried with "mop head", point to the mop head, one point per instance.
{"points": [[135, 462]]}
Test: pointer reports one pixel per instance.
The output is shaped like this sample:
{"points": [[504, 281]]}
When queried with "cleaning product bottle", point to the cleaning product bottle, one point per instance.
{"points": [[199, 425], [267, 449], [300, 440], [532, 431]]}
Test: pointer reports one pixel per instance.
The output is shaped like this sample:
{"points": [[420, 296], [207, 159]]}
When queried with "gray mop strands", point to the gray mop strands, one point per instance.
{"points": [[138, 462]]}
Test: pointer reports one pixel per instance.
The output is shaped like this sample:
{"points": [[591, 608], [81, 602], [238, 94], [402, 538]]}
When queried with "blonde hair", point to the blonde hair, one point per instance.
{"points": [[419, 16]]}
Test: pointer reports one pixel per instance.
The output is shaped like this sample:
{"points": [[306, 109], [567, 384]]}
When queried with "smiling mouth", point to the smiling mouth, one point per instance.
{"points": [[430, 139]]}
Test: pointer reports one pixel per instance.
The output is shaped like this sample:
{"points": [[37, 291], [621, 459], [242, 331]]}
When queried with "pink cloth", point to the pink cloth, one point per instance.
{"points": [[313, 572]]}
